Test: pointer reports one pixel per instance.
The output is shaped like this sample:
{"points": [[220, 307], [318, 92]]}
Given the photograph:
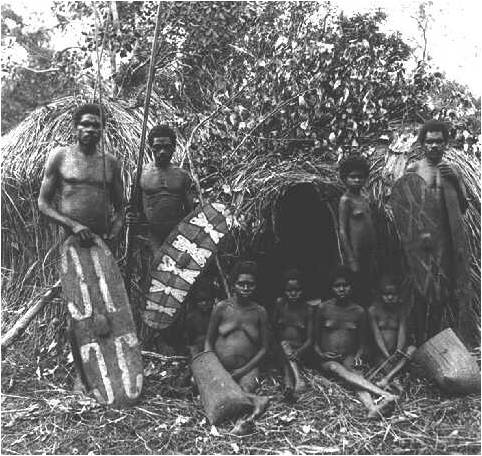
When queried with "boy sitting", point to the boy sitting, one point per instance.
{"points": [[293, 323], [388, 321]]}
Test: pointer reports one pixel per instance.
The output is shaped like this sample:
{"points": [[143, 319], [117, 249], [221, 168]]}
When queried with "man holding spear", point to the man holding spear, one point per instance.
{"points": [[87, 181], [166, 198], [89, 188], [167, 195]]}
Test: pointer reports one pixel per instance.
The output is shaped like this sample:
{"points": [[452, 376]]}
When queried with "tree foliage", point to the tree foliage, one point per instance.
{"points": [[263, 77]]}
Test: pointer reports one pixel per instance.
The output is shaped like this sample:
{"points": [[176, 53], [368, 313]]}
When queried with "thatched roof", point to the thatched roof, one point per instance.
{"points": [[252, 185], [29, 255], [25, 148]]}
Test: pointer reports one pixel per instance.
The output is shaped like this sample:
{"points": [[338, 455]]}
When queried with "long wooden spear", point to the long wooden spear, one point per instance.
{"points": [[134, 196]]}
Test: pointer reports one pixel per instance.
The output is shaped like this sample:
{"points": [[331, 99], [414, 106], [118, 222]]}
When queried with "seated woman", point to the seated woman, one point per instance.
{"points": [[238, 329], [388, 321], [339, 335], [293, 323]]}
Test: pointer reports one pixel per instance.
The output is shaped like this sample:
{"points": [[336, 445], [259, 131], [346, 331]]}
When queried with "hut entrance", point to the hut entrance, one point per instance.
{"points": [[307, 241]]}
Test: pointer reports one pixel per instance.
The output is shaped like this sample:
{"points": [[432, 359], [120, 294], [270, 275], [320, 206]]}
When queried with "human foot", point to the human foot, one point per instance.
{"points": [[260, 405], [385, 407]]}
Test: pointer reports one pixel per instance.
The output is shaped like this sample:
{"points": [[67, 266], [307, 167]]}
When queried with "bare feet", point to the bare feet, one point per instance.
{"points": [[385, 407], [289, 393], [260, 405], [300, 387], [79, 387]]}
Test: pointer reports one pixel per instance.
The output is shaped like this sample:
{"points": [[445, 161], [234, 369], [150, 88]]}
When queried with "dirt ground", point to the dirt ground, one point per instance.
{"points": [[41, 415]]}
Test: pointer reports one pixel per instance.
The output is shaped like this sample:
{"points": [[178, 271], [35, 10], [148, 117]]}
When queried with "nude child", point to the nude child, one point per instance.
{"points": [[293, 323], [357, 232], [387, 317]]}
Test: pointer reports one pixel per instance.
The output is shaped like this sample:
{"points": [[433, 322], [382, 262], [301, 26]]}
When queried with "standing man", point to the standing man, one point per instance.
{"points": [[440, 177], [89, 202], [166, 189], [167, 198]]}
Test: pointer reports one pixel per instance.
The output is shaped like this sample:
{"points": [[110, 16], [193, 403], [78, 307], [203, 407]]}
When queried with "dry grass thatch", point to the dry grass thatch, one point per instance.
{"points": [[29, 242], [42, 416], [254, 185]]}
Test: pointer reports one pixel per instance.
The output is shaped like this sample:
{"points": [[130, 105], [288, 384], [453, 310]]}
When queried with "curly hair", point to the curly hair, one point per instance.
{"points": [[244, 267], [433, 125], [162, 131], [354, 163], [89, 108], [292, 274], [342, 272], [388, 279]]}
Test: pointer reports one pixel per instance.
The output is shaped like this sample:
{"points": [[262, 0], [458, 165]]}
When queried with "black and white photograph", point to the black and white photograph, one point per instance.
{"points": [[241, 227]]}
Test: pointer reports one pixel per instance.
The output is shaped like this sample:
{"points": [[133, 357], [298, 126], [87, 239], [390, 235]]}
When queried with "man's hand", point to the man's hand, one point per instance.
{"points": [[115, 229], [447, 172], [132, 218], [294, 355], [353, 265], [85, 236]]}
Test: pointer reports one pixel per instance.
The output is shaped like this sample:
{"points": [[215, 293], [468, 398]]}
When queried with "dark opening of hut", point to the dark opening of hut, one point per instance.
{"points": [[306, 240]]}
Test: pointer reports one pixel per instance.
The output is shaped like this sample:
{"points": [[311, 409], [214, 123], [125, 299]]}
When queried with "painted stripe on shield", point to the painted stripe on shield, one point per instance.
{"points": [[85, 352]]}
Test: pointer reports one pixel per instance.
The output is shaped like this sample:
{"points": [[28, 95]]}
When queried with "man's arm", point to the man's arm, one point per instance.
{"points": [[50, 185], [188, 197], [118, 201], [344, 219], [254, 361], [461, 190]]}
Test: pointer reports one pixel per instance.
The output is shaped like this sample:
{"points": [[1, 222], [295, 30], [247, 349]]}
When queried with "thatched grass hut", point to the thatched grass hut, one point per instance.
{"points": [[30, 243], [285, 206], [288, 211]]}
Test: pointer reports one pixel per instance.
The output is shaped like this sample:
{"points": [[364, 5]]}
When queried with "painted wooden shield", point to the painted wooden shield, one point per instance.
{"points": [[181, 258], [104, 330], [419, 218]]}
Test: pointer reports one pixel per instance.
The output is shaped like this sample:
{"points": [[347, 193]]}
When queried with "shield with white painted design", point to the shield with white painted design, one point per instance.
{"points": [[106, 348], [185, 253]]}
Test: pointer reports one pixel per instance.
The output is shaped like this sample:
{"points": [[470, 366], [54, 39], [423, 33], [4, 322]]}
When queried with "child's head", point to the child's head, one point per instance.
{"points": [[244, 277], [389, 290], [292, 285], [204, 299], [342, 282], [354, 171]]}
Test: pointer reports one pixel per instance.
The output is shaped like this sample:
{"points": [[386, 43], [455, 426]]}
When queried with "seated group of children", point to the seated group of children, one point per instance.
{"points": [[333, 334]]}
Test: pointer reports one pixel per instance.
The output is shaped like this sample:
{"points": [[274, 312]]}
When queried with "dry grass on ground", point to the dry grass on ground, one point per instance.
{"points": [[41, 415]]}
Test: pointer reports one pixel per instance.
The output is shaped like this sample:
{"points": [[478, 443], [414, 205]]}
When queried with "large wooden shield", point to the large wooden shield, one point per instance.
{"points": [[461, 267], [104, 330], [419, 218], [181, 258]]}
